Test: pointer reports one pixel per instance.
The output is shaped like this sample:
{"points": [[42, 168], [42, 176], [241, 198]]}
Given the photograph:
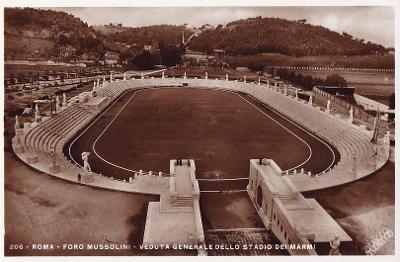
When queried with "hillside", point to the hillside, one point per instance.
{"points": [[36, 33], [147, 35], [254, 42], [275, 35]]}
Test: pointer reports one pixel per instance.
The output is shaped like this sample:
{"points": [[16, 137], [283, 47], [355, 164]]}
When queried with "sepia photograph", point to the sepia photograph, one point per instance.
{"points": [[257, 129]]}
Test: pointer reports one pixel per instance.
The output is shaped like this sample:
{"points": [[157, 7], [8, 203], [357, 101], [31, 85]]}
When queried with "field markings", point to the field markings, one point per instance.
{"points": [[222, 179], [105, 129], [87, 128], [284, 127], [204, 179], [305, 130]]}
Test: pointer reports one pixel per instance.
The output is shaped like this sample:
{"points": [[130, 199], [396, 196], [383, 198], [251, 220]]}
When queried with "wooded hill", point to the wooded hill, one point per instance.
{"points": [[275, 35], [46, 33]]}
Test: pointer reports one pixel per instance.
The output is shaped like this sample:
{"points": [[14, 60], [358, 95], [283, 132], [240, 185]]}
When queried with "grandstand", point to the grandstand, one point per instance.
{"points": [[358, 156]]}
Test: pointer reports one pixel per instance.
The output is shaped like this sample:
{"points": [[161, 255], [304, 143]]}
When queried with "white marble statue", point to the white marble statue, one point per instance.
{"points": [[244, 79], [184, 75], [57, 102], [310, 100], [64, 103], [37, 113], [111, 77], [227, 77], [259, 81], [85, 159], [124, 75], [386, 139], [163, 75], [297, 93], [98, 82], [328, 105], [334, 243], [17, 125], [351, 114], [206, 75]]}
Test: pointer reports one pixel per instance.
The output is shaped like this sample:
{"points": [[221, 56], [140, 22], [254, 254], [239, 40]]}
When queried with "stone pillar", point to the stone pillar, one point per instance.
{"points": [[285, 90], [297, 94], [259, 81], [111, 77], [98, 82], [268, 83], [276, 86], [142, 76]]}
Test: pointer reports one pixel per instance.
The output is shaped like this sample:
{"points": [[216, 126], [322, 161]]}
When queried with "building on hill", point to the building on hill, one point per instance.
{"points": [[218, 52], [111, 58]]}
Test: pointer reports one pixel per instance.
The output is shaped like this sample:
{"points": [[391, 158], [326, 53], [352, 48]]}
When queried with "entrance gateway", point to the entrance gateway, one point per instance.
{"points": [[284, 210]]}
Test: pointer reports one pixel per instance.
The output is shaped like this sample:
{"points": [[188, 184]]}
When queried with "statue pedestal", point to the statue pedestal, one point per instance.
{"points": [[32, 159], [19, 132], [54, 168], [19, 149], [87, 177]]}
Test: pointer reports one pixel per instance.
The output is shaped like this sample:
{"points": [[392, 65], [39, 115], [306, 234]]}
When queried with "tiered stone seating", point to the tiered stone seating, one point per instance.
{"points": [[346, 138], [51, 135], [44, 138]]}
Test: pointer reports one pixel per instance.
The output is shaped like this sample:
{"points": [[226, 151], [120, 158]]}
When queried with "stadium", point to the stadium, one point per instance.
{"points": [[182, 137]]}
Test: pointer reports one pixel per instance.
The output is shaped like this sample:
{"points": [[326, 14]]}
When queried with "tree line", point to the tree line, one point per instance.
{"points": [[307, 82]]}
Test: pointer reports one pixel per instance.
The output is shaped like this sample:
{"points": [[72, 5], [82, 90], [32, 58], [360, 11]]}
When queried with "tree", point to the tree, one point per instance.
{"points": [[335, 80], [170, 55], [144, 61], [307, 82]]}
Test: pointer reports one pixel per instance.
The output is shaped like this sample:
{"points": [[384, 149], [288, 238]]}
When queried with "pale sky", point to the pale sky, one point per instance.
{"points": [[375, 24]]}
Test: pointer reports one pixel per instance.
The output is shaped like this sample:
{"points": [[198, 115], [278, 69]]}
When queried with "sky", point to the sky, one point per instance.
{"points": [[372, 23]]}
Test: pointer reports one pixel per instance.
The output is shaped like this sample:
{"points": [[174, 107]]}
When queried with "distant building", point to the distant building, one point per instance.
{"points": [[218, 52], [111, 58]]}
